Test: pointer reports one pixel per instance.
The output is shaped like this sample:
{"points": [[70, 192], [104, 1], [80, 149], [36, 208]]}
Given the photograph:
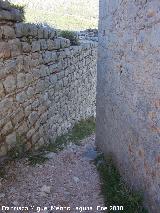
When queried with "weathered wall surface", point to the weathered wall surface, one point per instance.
{"points": [[128, 92], [46, 85]]}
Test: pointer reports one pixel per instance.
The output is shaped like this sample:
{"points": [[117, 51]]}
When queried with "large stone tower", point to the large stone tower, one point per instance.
{"points": [[128, 92]]}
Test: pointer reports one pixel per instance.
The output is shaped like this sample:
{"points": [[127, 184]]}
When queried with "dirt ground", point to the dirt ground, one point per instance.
{"points": [[69, 179]]}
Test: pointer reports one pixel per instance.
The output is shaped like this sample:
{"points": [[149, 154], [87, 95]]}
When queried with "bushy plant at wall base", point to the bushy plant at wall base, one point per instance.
{"points": [[71, 35], [114, 189]]}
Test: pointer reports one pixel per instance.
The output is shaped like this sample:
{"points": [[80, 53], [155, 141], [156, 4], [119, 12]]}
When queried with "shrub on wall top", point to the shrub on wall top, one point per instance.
{"points": [[71, 35]]}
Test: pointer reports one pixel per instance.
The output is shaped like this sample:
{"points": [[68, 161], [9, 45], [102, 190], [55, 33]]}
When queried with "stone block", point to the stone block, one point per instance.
{"points": [[5, 15], [7, 128], [41, 142], [64, 43], [43, 44], [35, 104], [3, 150], [33, 117], [30, 133], [30, 92], [65, 81], [29, 78], [45, 33], [47, 57], [18, 116], [35, 137], [11, 140], [23, 128], [50, 44], [28, 110], [21, 97], [2, 92], [44, 71], [21, 80], [8, 67], [16, 47], [21, 63], [35, 46], [8, 32], [5, 50], [35, 55], [5, 106], [27, 62], [52, 34], [10, 83], [53, 68], [10, 14], [57, 44], [40, 32], [33, 30], [5, 5], [34, 63], [53, 79], [25, 30], [20, 30], [26, 47], [54, 56]]}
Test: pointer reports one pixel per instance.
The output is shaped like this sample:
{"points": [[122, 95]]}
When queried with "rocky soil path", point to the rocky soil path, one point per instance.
{"points": [[68, 179]]}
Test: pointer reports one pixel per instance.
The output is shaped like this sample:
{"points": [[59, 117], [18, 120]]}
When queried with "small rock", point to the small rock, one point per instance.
{"points": [[50, 155], [42, 194], [2, 195], [90, 153], [12, 190], [15, 203], [40, 166], [46, 189], [76, 179]]}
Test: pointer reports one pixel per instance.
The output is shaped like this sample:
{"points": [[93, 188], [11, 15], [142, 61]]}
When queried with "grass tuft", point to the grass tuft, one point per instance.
{"points": [[81, 130], [37, 158], [17, 152], [2, 171], [115, 191]]}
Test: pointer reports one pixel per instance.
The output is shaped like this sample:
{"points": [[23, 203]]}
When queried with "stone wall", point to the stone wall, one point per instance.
{"points": [[128, 92], [46, 85], [89, 34]]}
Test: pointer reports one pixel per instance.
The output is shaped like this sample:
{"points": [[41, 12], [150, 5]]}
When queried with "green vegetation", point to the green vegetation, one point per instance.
{"points": [[36, 158], [18, 7], [81, 130], [21, 8], [71, 36], [62, 14], [17, 152], [2, 171], [115, 191]]}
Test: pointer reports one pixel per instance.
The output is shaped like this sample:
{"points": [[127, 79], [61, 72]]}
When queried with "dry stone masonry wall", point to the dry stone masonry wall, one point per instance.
{"points": [[89, 34], [128, 93], [46, 85]]}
